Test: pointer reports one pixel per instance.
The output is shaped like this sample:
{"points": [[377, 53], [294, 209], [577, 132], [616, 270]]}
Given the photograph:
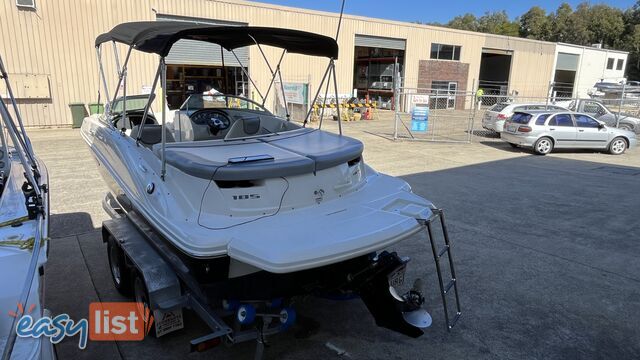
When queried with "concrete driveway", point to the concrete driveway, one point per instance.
{"points": [[546, 250]]}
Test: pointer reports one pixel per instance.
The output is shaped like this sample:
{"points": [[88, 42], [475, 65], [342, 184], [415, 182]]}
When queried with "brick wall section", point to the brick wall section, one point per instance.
{"points": [[431, 70]]}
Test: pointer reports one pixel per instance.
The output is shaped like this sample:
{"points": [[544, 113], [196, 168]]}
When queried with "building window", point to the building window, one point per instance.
{"points": [[29, 4], [620, 63], [445, 52], [610, 62]]}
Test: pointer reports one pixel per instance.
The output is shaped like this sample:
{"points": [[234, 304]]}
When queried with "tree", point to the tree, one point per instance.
{"points": [[535, 24], [464, 22], [578, 31], [497, 23], [606, 24], [560, 30], [588, 24]]}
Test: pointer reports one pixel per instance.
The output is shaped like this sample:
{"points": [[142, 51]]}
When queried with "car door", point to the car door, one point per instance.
{"points": [[590, 134], [595, 109], [563, 130]]}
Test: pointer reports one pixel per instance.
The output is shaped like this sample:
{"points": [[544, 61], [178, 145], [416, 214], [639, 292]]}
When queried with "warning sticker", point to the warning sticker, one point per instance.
{"points": [[168, 321]]}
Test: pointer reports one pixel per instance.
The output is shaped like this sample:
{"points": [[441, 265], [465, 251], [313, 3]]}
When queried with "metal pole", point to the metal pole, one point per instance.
{"points": [[395, 117], [273, 75], [620, 105], [20, 146], [435, 117], [326, 92], [226, 80], [335, 86], [324, 77], [124, 97], [25, 138], [120, 78], [548, 94], [284, 98], [340, 19], [474, 107], [148, 105], [163, 84], [104, 80], [116, 54], [247, 75]]}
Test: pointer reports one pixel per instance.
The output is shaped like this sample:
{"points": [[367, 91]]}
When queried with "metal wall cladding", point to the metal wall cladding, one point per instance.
{"points": [[57, 40]]}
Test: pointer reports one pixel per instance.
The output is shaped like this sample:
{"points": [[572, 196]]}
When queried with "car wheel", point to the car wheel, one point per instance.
{"points": [[543, 146], [626, 127], [617, 146], [515, 146], [120, 273]]}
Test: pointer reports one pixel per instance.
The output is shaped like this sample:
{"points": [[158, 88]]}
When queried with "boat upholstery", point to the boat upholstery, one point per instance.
{"points": [[151, 134], [310, 151], [248, 126], [324, 148], [209, 168]]}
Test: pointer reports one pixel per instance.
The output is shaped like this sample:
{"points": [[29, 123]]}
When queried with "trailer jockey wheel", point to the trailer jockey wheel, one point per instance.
{"points": [[141, 296], [120, 273]]}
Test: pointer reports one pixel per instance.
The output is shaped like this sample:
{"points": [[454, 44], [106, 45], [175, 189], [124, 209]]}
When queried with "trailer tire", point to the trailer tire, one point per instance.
{"points": [[141, 297], [120, 272]]}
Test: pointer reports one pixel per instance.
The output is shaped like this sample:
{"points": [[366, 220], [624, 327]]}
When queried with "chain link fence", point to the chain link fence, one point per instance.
{"points": [[459, 116]]}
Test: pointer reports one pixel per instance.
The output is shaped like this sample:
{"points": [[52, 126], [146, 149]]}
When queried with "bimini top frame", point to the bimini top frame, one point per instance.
{"points": [[158, 37]]}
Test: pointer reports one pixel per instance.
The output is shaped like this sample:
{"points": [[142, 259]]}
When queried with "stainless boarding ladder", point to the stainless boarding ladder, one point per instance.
{"points": [[438, 256]]}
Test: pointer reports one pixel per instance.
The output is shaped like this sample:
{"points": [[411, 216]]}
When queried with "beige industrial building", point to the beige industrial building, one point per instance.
{"points": [[48, 46]]}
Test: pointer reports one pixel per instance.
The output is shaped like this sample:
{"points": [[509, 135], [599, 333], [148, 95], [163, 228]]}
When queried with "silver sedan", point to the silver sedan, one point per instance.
{"points": [[544, 131]]}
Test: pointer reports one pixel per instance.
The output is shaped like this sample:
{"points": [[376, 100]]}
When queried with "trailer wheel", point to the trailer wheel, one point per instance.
{"points": [[141, 296], [120, 273]]}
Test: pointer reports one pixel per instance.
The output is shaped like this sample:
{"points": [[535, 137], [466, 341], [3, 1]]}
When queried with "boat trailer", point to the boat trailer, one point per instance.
{"points": [[169, 286]]}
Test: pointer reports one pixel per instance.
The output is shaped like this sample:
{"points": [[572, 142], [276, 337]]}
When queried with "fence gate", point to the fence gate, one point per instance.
{"points": [[440, 114]]}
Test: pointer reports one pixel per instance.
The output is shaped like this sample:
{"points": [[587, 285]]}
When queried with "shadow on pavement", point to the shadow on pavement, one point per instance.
{"points": [[67, 224]]}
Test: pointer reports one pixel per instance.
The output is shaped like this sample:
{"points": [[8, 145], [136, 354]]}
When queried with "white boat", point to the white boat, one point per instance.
{"points": [[257, 205], [24, 227]]}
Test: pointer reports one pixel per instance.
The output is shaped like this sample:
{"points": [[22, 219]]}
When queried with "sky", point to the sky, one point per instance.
{"points": [[432, 11]]}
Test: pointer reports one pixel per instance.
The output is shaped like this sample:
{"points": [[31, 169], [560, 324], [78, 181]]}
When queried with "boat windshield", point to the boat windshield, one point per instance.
{"points": [[203, 101], [134, 103]]}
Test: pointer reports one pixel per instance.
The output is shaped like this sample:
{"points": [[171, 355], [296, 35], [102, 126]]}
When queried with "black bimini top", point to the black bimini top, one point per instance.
{"points": [[159, 36]]}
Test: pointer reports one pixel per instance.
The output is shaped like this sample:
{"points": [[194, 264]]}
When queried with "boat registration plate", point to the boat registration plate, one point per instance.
{"points": [[396, 278]]}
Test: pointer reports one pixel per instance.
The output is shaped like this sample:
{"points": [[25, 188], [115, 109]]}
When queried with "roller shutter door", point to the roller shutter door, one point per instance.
{"points": [[380, 42], [191, 52]]}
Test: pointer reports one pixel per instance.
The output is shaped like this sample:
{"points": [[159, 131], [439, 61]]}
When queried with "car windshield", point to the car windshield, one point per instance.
{"points": [[521, 118], [134, 103], [203, 101]]}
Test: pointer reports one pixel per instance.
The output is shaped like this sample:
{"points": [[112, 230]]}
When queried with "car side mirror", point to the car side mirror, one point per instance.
{"points": [[600, 126]]}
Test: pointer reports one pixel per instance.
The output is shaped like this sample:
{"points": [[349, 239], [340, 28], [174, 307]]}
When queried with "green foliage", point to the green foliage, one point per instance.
{"points": [[589, 24], [491, 22], [536, 24]]}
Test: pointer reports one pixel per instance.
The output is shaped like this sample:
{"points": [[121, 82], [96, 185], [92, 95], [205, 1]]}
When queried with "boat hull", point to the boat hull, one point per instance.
{"points": [[324, 217]]}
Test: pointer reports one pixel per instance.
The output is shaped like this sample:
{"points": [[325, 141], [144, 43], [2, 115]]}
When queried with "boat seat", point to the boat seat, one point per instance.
{"points": [[151, 134], [245, 127]]}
